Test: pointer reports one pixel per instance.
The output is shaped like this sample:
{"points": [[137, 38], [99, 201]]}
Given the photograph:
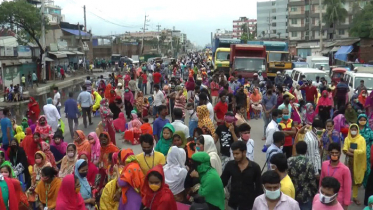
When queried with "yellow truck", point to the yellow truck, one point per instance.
{"points": [[221, 53], [277, 61]]}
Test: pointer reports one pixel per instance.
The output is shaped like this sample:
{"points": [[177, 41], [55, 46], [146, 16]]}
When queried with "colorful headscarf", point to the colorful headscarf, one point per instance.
{"points": [[204, 120]]}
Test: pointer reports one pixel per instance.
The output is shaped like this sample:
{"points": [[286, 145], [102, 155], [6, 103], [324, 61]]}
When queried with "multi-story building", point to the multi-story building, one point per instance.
{"points": [[237, 26], [304, 21], [53, 12], [183, 38], [222, 33], [272, 19]]}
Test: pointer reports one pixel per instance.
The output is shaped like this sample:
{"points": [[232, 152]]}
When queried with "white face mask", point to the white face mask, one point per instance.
{"points": [[353, 133], [191, 111], [327, 199], [71, 154], [272, 195]]}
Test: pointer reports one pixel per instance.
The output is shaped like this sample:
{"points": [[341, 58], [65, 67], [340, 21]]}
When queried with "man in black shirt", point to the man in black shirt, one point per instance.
{"points": [[245, 178], [227, 134]]}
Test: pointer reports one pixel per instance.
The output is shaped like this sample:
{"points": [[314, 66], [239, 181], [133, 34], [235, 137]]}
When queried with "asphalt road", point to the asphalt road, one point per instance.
{"points": [[256, 135]]}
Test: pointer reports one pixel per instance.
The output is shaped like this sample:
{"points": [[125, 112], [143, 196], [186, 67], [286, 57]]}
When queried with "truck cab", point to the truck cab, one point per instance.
{"points": [[278, 61], [246, 60], [221, 53]]}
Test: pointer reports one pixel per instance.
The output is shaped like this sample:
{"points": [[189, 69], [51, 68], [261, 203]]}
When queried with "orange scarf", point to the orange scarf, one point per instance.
{"points": [[85, 146], [106, 150], [51, 190], [255, 97]]}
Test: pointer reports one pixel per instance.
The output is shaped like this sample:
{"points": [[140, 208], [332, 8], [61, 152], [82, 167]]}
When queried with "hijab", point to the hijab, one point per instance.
{"points": [[324, 101], [30, 146], [107, 91], [84, 146], [20, 135], [210, 149], [175, 171], [61, 147], [68, 198], [183, 138], [190, 85], [255, 97], [68, 163], [120, 123], [163, 144], [92, 169], [204, 120], [24, 123], [128, 96], [50, 157], [85, 189], [350, 115], [95, 148], [105, 150], [362, 99]]}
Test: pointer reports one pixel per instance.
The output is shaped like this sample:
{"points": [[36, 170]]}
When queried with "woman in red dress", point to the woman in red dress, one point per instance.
{"points": [[33, 109]]}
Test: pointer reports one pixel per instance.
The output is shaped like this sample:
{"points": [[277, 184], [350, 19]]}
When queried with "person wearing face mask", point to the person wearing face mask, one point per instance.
{"points": [[52, 114], [288, 128], [81, 143], [43, 128], [245, 178], [69, 197], [336, 169], [324, 106], [329, 136], [193, 119], [68, 161], [149, 158], [245, 130], [18, 160], [81, 171], [47, 189], [273, 126], [8, 191], [95, 147], [354, 148], [6, 170], [272, 198], [286, 104], [156, 193], [311, 92], [327, 197], [279, 164]]}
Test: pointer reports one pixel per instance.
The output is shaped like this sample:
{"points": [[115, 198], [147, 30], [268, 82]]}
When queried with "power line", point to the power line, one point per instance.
{"points": [[108, 21]]}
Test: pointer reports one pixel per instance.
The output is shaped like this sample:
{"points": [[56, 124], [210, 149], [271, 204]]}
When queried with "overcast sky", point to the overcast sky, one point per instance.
{"points": [[196, 18]]}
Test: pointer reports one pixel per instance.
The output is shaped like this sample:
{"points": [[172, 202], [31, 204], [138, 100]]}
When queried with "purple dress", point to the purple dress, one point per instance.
{"points": [[133, 198]]}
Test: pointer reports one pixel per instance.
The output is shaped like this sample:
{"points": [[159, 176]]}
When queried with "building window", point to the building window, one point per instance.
{"points": [[294, 21], [294, 34], [293, 9], [341, 32], [273, 3], [307, 8]]}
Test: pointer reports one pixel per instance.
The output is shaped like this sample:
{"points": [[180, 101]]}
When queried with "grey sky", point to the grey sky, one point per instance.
{"points": [[196, 18]]}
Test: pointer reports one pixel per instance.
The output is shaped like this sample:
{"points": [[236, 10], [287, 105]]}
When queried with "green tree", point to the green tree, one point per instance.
{"points": [[335, 13], [27, 18], [362, 24], [244, 38]]}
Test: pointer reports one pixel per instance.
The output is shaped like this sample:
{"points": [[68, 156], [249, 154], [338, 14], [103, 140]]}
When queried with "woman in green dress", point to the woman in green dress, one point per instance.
{"points": [[367, 133]]}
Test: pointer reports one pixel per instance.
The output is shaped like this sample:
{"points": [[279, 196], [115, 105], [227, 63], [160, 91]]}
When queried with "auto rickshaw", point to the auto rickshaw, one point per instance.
{"points": [[337, 74]]}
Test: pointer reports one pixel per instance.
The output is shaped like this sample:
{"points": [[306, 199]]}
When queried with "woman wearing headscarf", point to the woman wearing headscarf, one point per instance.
{"points": [[92, 169], [355, 150], [81, 143], [32, 125], [24, 124], [139, 102], [120, 123], [106, 200], [43, 128], [156, 193], [211, 186], [115, 106], [68, 161], [18, 158], [369, 104], [255, 101], [350, 114], [130, 180], [205, 143], [98, 99], [127, 79], [204, 120], [128, 101], [362, 98], [101, 88], [48, 187], [164, 144], [52, 114], [107, 91], [175, 172], [95, 147], [30, 145], [7, 165], [69, 197], [134, 129], [324, 106], [308, 113], [81, 169], [40, 163], [107, 147], [179, 136], [107, 119], [9, 201], [44, 146], [190, 85], [33, 109], [330, 135], [58, 147], [367, 133]]}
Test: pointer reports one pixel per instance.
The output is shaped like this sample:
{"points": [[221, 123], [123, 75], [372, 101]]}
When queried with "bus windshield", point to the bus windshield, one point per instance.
{"points": [[249, 64], [222, 56], [272, 56]]}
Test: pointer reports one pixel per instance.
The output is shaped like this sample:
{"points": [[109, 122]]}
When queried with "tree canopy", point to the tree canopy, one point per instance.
{"points": [[26, 17], [362, 24], [335, 12]]}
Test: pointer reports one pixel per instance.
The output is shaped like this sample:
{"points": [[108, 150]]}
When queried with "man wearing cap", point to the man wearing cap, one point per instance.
{"points": [[119, 90], [256, 80], [226, 134], [279, 79]]}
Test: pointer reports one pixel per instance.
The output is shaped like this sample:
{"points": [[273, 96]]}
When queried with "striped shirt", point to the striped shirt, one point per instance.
{"points": [[313, 153]]}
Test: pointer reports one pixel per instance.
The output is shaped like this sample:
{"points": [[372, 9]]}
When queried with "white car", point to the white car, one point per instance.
{"points": [[353, 80], [310, 74]]}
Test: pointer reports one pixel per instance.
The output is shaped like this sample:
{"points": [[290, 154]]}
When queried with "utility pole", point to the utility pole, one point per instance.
{"points": [[143, 33], [320, 24], [42, 74], [85, 20], [158, 26]]}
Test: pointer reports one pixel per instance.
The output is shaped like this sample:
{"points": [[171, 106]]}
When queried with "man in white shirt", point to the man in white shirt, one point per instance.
{"points": [[85, 101], [244, 130], [57, 99], [179, 124], [158, 99], [203, 100], [273, 126]]}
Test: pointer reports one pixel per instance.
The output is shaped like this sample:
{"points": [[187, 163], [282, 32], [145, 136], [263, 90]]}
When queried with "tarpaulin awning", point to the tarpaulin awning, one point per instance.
{"points": [[342, 53], [76, 32], [48, 59], [335, 49], [58, 54]]}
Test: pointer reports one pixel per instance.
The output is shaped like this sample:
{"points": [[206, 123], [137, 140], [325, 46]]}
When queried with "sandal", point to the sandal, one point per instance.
{"points": [[356, 201]]}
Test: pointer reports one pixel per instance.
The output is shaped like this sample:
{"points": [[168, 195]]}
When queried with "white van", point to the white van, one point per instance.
{"points": [[353, 80], [310, 74]]}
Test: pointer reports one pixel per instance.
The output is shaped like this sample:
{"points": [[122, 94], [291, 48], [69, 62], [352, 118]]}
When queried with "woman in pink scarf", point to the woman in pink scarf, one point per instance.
{"points": [[128, 101], [95, 147], [127, 78], [50, 157], [58, 142], [190, 85], [134, 129], [120, 123]]}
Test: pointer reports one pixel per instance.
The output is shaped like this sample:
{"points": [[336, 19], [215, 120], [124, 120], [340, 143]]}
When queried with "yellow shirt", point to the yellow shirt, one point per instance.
{"points": [[148, 162], [23, 79], [287, 187]]}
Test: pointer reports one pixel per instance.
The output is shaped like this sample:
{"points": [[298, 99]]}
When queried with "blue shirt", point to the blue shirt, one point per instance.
{"points": [[302, 90], [85, 99], [71, 108], [158, 125], [269, 102], [273, 149], [34, 77], [6, 123]]}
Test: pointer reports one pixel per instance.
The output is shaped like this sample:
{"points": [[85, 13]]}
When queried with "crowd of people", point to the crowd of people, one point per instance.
{"points": [[200, 158]]}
